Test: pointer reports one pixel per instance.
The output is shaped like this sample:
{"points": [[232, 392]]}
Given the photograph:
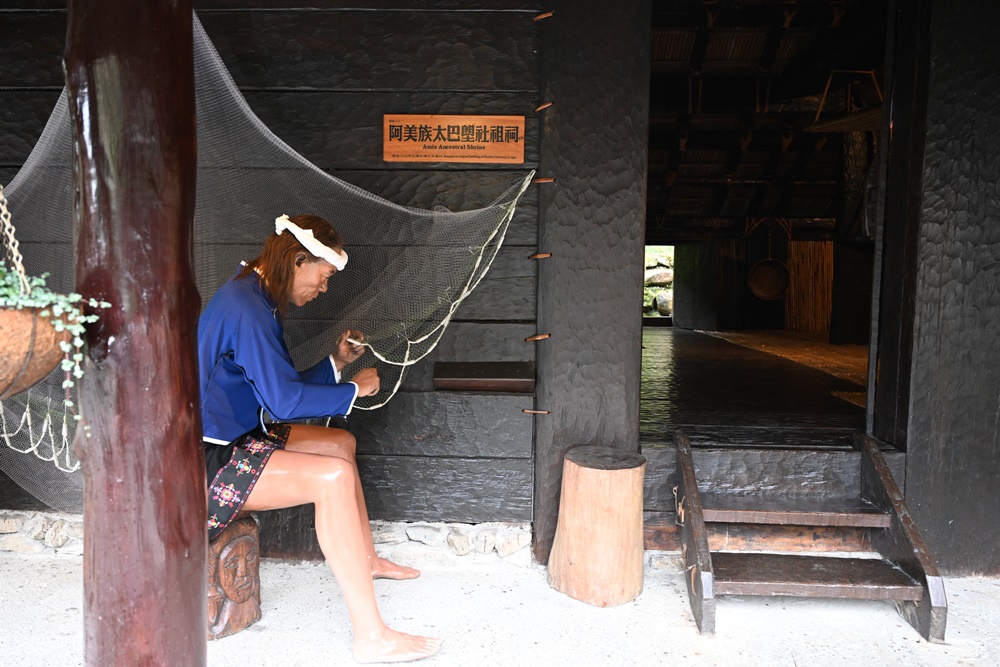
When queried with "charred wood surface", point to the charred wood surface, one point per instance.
{"points": [[485, 376], [446, 424], [594, 144], [343, 130], [953, 443], [347, 49], [409, 488]]}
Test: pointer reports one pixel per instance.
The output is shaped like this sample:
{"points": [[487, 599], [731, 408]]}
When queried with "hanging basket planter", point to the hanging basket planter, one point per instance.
{"points": [[29, 349]]}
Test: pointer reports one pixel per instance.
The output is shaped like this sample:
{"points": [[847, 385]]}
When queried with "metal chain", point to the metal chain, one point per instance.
{"points": [[13, 247]]}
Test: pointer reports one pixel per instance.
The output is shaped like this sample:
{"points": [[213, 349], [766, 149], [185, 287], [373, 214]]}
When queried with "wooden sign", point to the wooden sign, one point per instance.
{"points": [[434, 138]]}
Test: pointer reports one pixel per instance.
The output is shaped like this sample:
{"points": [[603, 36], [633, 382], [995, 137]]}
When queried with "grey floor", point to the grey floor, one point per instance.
{"points": [[493, 612]]}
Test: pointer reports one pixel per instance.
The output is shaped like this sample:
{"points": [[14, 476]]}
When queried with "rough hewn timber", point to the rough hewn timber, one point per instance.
{"points": [[526, 6], [454, 50], [413, 488], [591, 218], [23, 114], [343, 130], [902, 545], [953, 440], [130, 75], [456, 191], [446, 424], [30, 52]]}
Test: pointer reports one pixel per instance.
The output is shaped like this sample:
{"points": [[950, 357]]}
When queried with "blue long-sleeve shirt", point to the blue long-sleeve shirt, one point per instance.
{"points": [[245, 367]]}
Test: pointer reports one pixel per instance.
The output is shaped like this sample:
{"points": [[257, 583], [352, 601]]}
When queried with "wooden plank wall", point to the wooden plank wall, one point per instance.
{"points": [[321, 75]]}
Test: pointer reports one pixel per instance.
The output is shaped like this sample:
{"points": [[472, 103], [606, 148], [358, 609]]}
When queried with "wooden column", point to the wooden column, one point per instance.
{"points": [[591, 218], [129, 70], [953, 374]]}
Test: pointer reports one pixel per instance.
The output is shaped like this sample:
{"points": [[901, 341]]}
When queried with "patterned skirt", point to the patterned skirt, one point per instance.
{"points": [[232, 471]]}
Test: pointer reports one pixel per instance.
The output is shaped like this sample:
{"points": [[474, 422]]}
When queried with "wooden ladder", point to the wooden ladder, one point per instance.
{"points": [[900, 569]]}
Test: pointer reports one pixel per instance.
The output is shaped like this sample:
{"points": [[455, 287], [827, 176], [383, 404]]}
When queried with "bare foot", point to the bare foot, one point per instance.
{"points": [[386, 569], [392, 646]]}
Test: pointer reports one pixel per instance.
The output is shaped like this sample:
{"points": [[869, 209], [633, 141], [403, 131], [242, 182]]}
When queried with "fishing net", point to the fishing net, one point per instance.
{"points": [[409, 268]]}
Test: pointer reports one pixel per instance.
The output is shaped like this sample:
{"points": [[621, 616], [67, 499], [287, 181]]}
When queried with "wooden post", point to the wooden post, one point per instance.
{"points": [[597, 551], [591, 218], [130, 77]]}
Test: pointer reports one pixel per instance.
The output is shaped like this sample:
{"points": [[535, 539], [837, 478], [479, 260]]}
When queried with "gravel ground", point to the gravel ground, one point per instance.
{"points": [[495, 612]]}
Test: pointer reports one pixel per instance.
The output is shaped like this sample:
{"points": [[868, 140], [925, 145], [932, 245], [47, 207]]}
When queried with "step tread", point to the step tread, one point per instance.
{"points": [[792, 510], [811, 576]]}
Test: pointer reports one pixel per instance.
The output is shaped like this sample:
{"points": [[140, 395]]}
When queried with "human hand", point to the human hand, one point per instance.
{"points": [[368, 382], [346, 352]]}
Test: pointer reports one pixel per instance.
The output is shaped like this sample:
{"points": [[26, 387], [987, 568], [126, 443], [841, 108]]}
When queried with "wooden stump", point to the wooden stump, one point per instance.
{"points": [[234, 579], [597, 550]]}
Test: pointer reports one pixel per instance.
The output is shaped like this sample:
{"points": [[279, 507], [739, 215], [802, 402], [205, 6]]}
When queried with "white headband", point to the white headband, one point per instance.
{"points": [[306, 238]]}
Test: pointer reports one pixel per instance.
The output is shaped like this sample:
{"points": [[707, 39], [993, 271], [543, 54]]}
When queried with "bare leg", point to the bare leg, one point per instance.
{"points": [[341, 444], [295, 478]]}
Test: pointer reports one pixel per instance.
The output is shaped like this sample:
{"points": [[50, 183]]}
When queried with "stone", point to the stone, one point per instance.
{"points": [[485, 540], [432, 536], [11, 523], [511, 542], [56, 536], [659, 277], [74, 530], [664, 302], [459, 543], [36, 526], [664, 560], [20, 543], [385, 533]]}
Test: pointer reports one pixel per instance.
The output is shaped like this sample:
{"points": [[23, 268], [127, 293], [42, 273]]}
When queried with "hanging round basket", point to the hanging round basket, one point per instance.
{"points": [[29, 349], [768, 279]]}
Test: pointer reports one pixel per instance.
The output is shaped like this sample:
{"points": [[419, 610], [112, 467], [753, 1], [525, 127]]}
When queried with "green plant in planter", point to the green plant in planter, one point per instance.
{"points": [[64, 311]]}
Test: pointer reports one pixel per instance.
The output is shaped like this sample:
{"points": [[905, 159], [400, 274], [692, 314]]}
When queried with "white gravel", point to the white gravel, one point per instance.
{"points": [[494, 612]]}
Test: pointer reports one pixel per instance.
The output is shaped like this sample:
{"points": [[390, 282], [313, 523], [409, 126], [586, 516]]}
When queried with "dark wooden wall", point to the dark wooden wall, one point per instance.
{"points": [[696, 285], [440, 456], [953, 436]]}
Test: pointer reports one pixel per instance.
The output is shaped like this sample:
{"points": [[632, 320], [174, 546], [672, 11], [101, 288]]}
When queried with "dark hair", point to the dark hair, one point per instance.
{"points": [[283, 252]]}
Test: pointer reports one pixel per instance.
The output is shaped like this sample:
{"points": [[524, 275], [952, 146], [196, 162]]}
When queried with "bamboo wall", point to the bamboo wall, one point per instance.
{"points": [[810, 286]]}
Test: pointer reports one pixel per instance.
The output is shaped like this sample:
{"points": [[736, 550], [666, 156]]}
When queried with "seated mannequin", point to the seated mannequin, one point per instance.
{"points": [[246, 370]]}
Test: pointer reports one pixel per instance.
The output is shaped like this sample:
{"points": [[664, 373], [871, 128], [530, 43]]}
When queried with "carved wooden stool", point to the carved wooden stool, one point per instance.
{"points": [[234, 578], [597, 551]]}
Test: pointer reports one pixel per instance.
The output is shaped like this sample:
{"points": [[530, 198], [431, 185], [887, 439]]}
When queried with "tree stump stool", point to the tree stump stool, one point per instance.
{"points": [[234, 578], [597, 552]]}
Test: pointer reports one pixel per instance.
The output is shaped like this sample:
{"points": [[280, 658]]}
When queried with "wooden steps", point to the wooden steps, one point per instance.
{"points": [[900, 568], [811, 576], [792, 510]]}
